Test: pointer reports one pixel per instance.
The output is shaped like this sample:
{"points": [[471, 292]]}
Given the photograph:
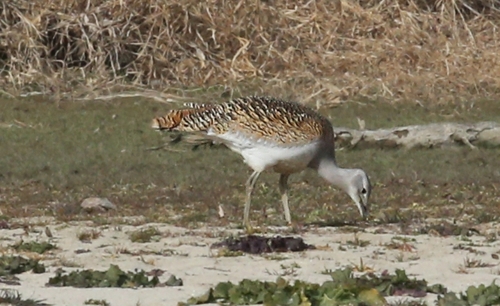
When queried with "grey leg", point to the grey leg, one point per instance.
{"points": [[249, 186], [284, 196]]}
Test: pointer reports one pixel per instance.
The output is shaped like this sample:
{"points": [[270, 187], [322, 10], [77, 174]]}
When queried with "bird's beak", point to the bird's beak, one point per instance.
{"points": [[360, 203], [363, 209]]}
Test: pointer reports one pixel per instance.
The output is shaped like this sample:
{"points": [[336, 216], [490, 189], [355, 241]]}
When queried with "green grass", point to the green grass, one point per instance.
{"points": [[76, 150], [385, 115]]}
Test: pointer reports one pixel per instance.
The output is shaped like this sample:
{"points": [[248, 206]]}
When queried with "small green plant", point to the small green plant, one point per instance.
{"points": [[343, 289], [445, 228], [361, 267], [10, 265], [33, 246], [327, 271], [171, 252], [97, 302], [228, 253], [475, 263], [481, 295], [470, 263], [275, 256], [287, 270], [113, 277], [144, 235], [391, 215], [400, 257], [358, 242], [469, 248], [404, 239], [401, 243]]}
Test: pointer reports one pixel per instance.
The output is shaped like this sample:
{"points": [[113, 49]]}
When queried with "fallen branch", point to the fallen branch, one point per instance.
{"points": [[422, 136]]}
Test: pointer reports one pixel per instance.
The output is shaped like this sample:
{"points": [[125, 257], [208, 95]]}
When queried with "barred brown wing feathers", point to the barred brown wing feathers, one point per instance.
{"points": [[199, 118], [278, 121], [264, 118], [172, 119]]}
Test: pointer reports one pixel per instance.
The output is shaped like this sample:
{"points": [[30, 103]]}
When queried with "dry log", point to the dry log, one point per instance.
{"points": [[433, 135]]}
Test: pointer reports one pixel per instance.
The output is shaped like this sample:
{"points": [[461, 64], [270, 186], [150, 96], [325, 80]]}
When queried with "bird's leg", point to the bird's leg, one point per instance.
{"points": [[249, 187], [284, 196]]}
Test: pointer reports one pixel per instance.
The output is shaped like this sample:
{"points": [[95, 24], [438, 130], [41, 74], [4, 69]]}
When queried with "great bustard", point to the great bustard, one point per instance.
{"points": [[273, 134]]}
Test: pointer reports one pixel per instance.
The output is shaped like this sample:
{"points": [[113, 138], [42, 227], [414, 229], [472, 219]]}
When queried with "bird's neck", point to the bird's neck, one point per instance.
{"points": [[327, 168]]}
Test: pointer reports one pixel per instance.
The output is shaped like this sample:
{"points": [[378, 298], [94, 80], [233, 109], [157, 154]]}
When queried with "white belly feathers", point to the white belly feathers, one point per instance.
{"points": [[261, 155]]}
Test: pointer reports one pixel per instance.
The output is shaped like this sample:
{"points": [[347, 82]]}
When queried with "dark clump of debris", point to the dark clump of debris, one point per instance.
{"points": [[257, 244]]}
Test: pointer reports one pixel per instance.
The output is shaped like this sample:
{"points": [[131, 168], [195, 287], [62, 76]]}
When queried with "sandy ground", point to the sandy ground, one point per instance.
{"points": [[433, 258]]}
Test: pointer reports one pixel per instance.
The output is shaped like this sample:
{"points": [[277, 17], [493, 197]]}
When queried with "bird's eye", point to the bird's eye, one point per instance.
{"points": [[363, 191]]}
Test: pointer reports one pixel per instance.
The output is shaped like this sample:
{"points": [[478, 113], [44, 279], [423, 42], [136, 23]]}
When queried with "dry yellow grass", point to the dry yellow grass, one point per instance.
{"points": [[422, 50]]}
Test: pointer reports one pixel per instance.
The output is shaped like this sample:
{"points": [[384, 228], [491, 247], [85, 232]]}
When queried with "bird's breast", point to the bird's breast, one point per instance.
{"points": [[261, 154], [281, 159]]}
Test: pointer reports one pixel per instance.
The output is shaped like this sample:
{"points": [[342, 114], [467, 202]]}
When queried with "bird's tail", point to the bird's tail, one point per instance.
{"points": [[183, 119], [196, 118]]}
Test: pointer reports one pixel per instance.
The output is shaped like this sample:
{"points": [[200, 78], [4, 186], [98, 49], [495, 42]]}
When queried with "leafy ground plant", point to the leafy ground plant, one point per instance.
{"points": [[33, 246], [357, 242], [343, 289], [144, 235], [113, 277], [97, 302], [10, 265], [482, 296]]}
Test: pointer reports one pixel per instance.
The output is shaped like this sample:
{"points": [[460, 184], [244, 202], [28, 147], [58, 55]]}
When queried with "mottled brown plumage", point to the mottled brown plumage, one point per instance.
{"points": [[269, 119], [273, 134]]}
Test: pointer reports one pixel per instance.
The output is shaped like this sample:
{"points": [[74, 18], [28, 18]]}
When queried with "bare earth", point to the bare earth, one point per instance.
{"points": [[432, 258]]}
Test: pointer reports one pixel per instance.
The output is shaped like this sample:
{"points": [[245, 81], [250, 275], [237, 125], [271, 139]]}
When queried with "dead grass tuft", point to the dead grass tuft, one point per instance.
{"points": [[89, 235], [144, 235], [328, 51]]}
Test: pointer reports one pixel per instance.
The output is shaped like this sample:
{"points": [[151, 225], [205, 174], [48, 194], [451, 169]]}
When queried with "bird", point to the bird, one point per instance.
{"points": [[48, 232], [271, 134]]}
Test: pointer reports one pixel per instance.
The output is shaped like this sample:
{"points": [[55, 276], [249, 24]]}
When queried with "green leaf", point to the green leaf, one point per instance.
{"points": [[172, 281], [112, 275], [437, 289], [202, 299], [221, 290], [372, 297]]}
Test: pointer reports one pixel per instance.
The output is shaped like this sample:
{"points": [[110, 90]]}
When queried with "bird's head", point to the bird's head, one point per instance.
{"points": [[359, 189]]}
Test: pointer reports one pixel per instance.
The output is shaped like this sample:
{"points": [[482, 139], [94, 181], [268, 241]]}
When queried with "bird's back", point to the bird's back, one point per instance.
{"points": [[256, 119]]}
